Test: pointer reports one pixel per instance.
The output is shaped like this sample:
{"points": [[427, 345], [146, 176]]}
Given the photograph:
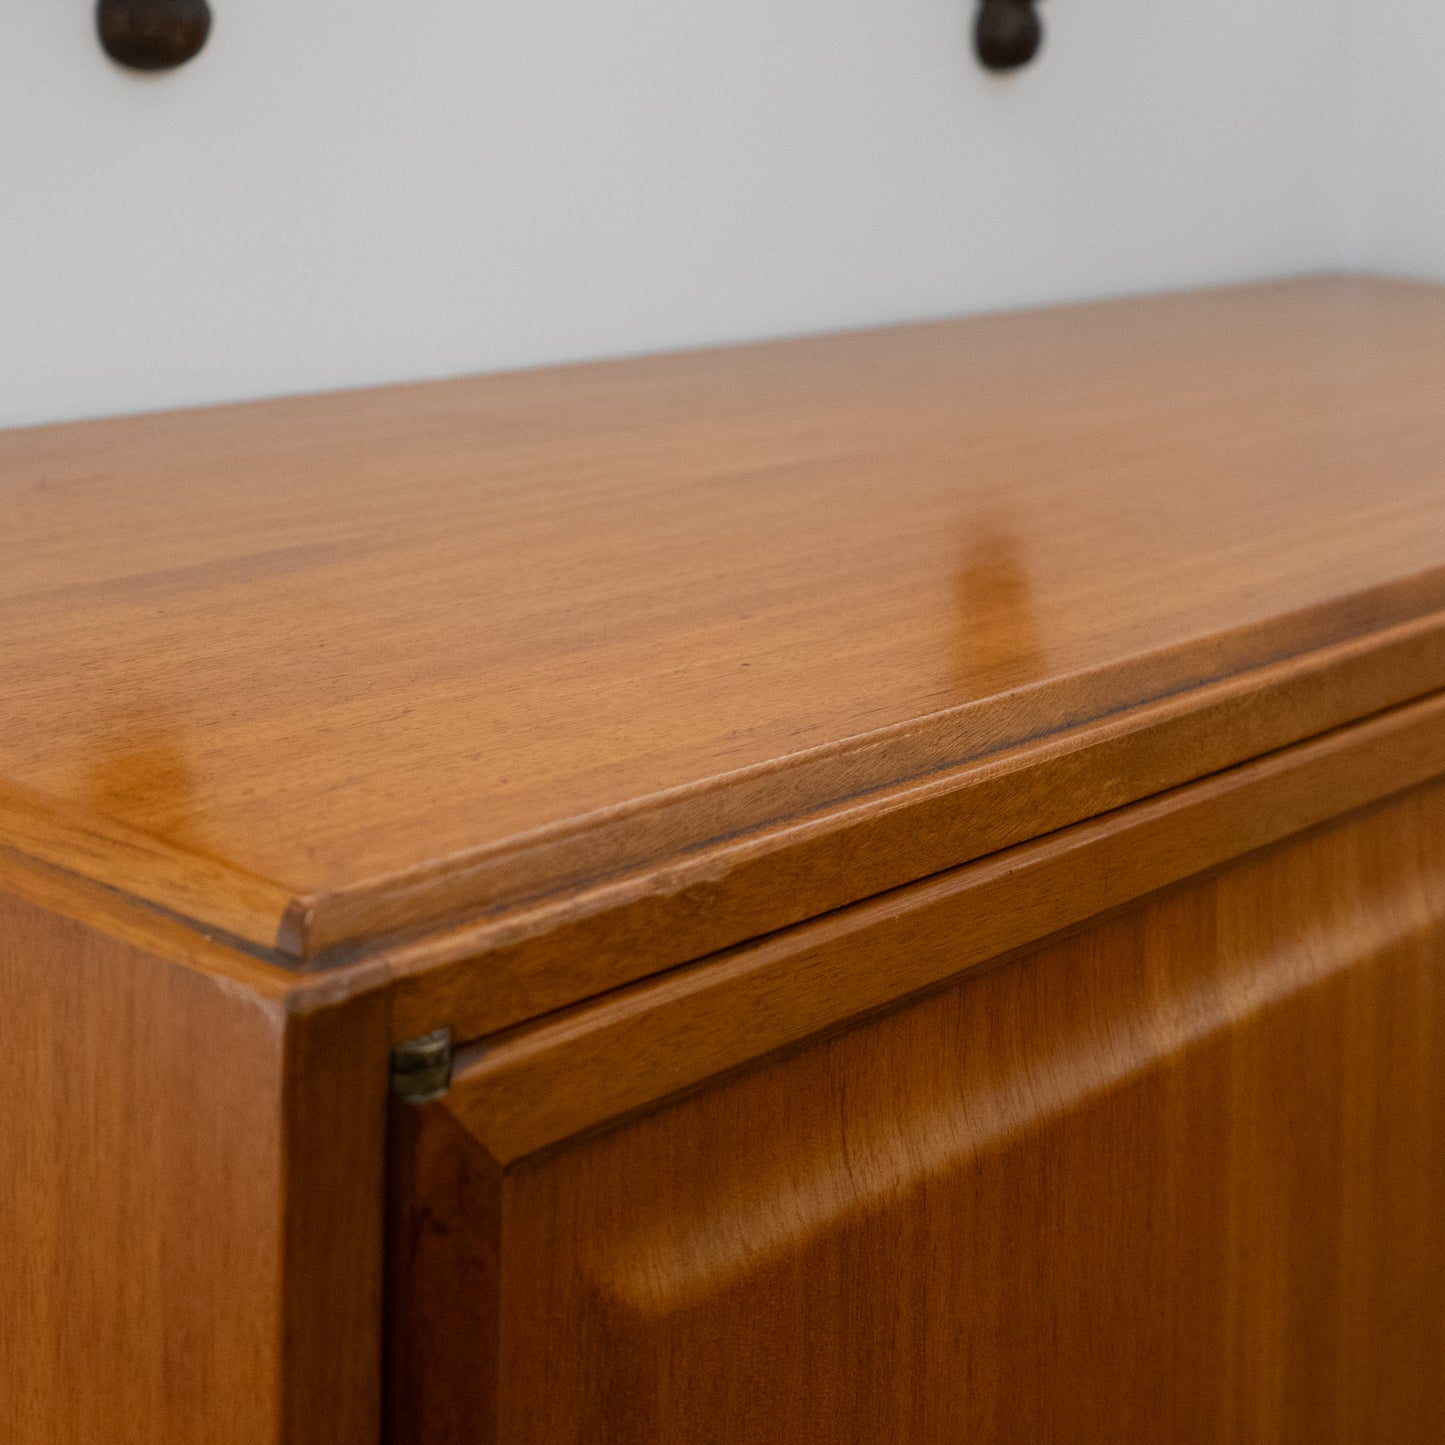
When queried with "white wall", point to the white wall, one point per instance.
{"points": [[1401, 151], [348, 191]]}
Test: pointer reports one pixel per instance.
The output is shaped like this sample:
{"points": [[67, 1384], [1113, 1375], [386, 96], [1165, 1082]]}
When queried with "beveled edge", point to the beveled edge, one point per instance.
{"points": [[489, 973], [214, 895], [593, 1066], [670, 858], [673, 828]]}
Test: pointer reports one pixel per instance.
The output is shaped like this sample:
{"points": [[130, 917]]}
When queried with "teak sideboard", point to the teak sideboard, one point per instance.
{"points": [[883, 889]]}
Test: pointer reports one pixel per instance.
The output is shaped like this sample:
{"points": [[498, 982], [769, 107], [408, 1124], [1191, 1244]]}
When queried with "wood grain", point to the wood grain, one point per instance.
{"points": [[334, 1098], [712, 743], [445, 1222], [1176, 1177], [142, 1255], [535, 1086], [191, 1191], [315, 671], [491, 973]]}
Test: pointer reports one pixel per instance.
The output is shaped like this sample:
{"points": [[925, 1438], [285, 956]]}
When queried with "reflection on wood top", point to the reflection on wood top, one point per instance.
{"points": [[312, 670]]}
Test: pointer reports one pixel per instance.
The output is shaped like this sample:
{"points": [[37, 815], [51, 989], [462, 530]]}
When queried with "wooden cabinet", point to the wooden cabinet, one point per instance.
{"points": [[929, 845], [1178, 1176]]}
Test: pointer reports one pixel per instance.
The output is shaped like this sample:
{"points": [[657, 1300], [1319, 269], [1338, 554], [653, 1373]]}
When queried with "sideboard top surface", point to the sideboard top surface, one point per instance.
{"points": [[313, 670]]}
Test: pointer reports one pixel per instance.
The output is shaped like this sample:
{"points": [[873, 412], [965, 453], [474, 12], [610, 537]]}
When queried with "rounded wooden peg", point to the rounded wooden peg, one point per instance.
{"points": [[152, 34], [1008, 33]]}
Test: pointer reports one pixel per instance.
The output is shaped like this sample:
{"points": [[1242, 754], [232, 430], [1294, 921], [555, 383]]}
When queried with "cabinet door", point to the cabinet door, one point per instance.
{"points": [[1178, 1176]]}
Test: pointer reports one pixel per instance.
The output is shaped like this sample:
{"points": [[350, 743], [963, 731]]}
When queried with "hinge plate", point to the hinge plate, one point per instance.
{"points": [[421, 1068]]}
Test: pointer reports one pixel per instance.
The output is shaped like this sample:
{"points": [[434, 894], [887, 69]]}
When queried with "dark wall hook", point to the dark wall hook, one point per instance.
{"points": [[152, 34], [1008, 33]]}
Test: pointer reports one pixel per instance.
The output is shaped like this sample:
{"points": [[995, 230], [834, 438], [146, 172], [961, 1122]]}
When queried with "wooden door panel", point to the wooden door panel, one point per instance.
{"points": [[1178, 1177]]}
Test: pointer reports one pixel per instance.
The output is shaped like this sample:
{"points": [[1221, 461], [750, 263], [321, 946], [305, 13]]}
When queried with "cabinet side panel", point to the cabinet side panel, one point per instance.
{"points": [[334, 1147], [443, 1274], [140, 1195], [1179, 1177]]}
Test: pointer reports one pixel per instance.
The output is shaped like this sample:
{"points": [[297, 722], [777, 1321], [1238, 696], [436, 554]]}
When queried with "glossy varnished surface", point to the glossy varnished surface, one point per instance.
{"points": [[190, 1189], [312, 670], [536, 1086], [1178, 1177]]}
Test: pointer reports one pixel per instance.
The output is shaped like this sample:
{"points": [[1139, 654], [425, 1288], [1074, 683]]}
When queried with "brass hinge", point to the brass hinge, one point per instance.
{"points": [[421, 1069]]}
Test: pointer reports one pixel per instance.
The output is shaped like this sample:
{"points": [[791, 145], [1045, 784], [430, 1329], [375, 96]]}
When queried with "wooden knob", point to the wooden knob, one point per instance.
{"points": [[152, 34], [1008, 33]]}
